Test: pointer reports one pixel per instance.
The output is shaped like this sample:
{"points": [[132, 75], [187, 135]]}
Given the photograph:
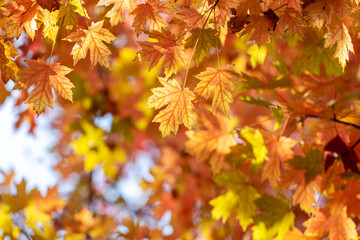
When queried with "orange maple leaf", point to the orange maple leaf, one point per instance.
{"points": [[259, 27], [339, 226], [338, 34], [117, 12], [248, 6], [347, 198], [92, 39], [150, 11], [295, 4], [213, 142], [178, 106], [44, 77], [318, 13], [166, 46], [280, 150], [292, 19], [221, 82], [22, 15]]}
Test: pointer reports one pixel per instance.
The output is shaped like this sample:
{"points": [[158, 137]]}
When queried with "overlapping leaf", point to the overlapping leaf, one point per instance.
{"points": [[239, 198], [338, 226], [8, 67], [200, 39], [178, 104], [167, 47], [150, 12], [213, 142], [68, 10], [117, 12], [221, 82], [45, 77], [92, 39]]}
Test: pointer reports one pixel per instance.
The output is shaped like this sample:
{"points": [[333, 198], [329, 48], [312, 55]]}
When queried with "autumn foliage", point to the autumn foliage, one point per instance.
{"points": [[248, 111]]}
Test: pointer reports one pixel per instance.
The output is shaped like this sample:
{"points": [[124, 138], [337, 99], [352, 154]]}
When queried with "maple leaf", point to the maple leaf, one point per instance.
{"points": [[49, 5], [117, 12], [92, 145], [179, 107], [240, 197], [347, 198], [304, 194], [338, 34], [200, 39], [22, 13], [254, 138], [21, 199], [312, 162], [338, 226], [221, 82], [68, 10], [347, 154], [166, 47], [295, 4], [291, 19], [259, 28], [92, 39], [150, 11], [279, 152], [274, 218], [190, 17], [44, 77], [318, 13], [8, 67], [50, 29], [251, 6], [213, 142]]}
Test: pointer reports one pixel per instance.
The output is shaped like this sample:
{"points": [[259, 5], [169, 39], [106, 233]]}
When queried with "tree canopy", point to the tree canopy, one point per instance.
{"points": [[248, 111]]}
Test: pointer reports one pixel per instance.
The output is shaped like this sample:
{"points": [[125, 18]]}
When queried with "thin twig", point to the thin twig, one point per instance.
{"points": [[334, 119]]}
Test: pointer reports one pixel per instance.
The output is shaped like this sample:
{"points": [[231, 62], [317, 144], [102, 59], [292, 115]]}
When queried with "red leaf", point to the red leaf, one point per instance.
{"points": [[348, 156]]}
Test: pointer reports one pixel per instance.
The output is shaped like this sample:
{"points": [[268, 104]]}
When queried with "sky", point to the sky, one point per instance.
{"points": [[28, 155]]}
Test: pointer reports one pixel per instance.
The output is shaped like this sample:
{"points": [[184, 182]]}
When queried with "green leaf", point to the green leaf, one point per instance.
{"points": [[255, 83], [273, 210], [277, 113], [313, 164], [258, 101], [318, 56], [241, 195], [204, 38], [239, 154], [276, 219]]}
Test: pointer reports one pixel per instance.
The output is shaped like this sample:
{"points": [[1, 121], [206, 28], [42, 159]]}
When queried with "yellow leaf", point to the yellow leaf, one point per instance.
{"points": [[117, 12], [338, 34], [8, 67], [92, 39], [92, 145], [221, 82], [50, 28], [178, 106], [6, 224]]}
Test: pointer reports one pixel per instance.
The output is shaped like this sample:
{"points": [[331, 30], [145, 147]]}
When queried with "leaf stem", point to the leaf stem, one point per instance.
{"points": [[188, 67], [197, 40], [57, 33], [216, 38], [197, 20]]}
